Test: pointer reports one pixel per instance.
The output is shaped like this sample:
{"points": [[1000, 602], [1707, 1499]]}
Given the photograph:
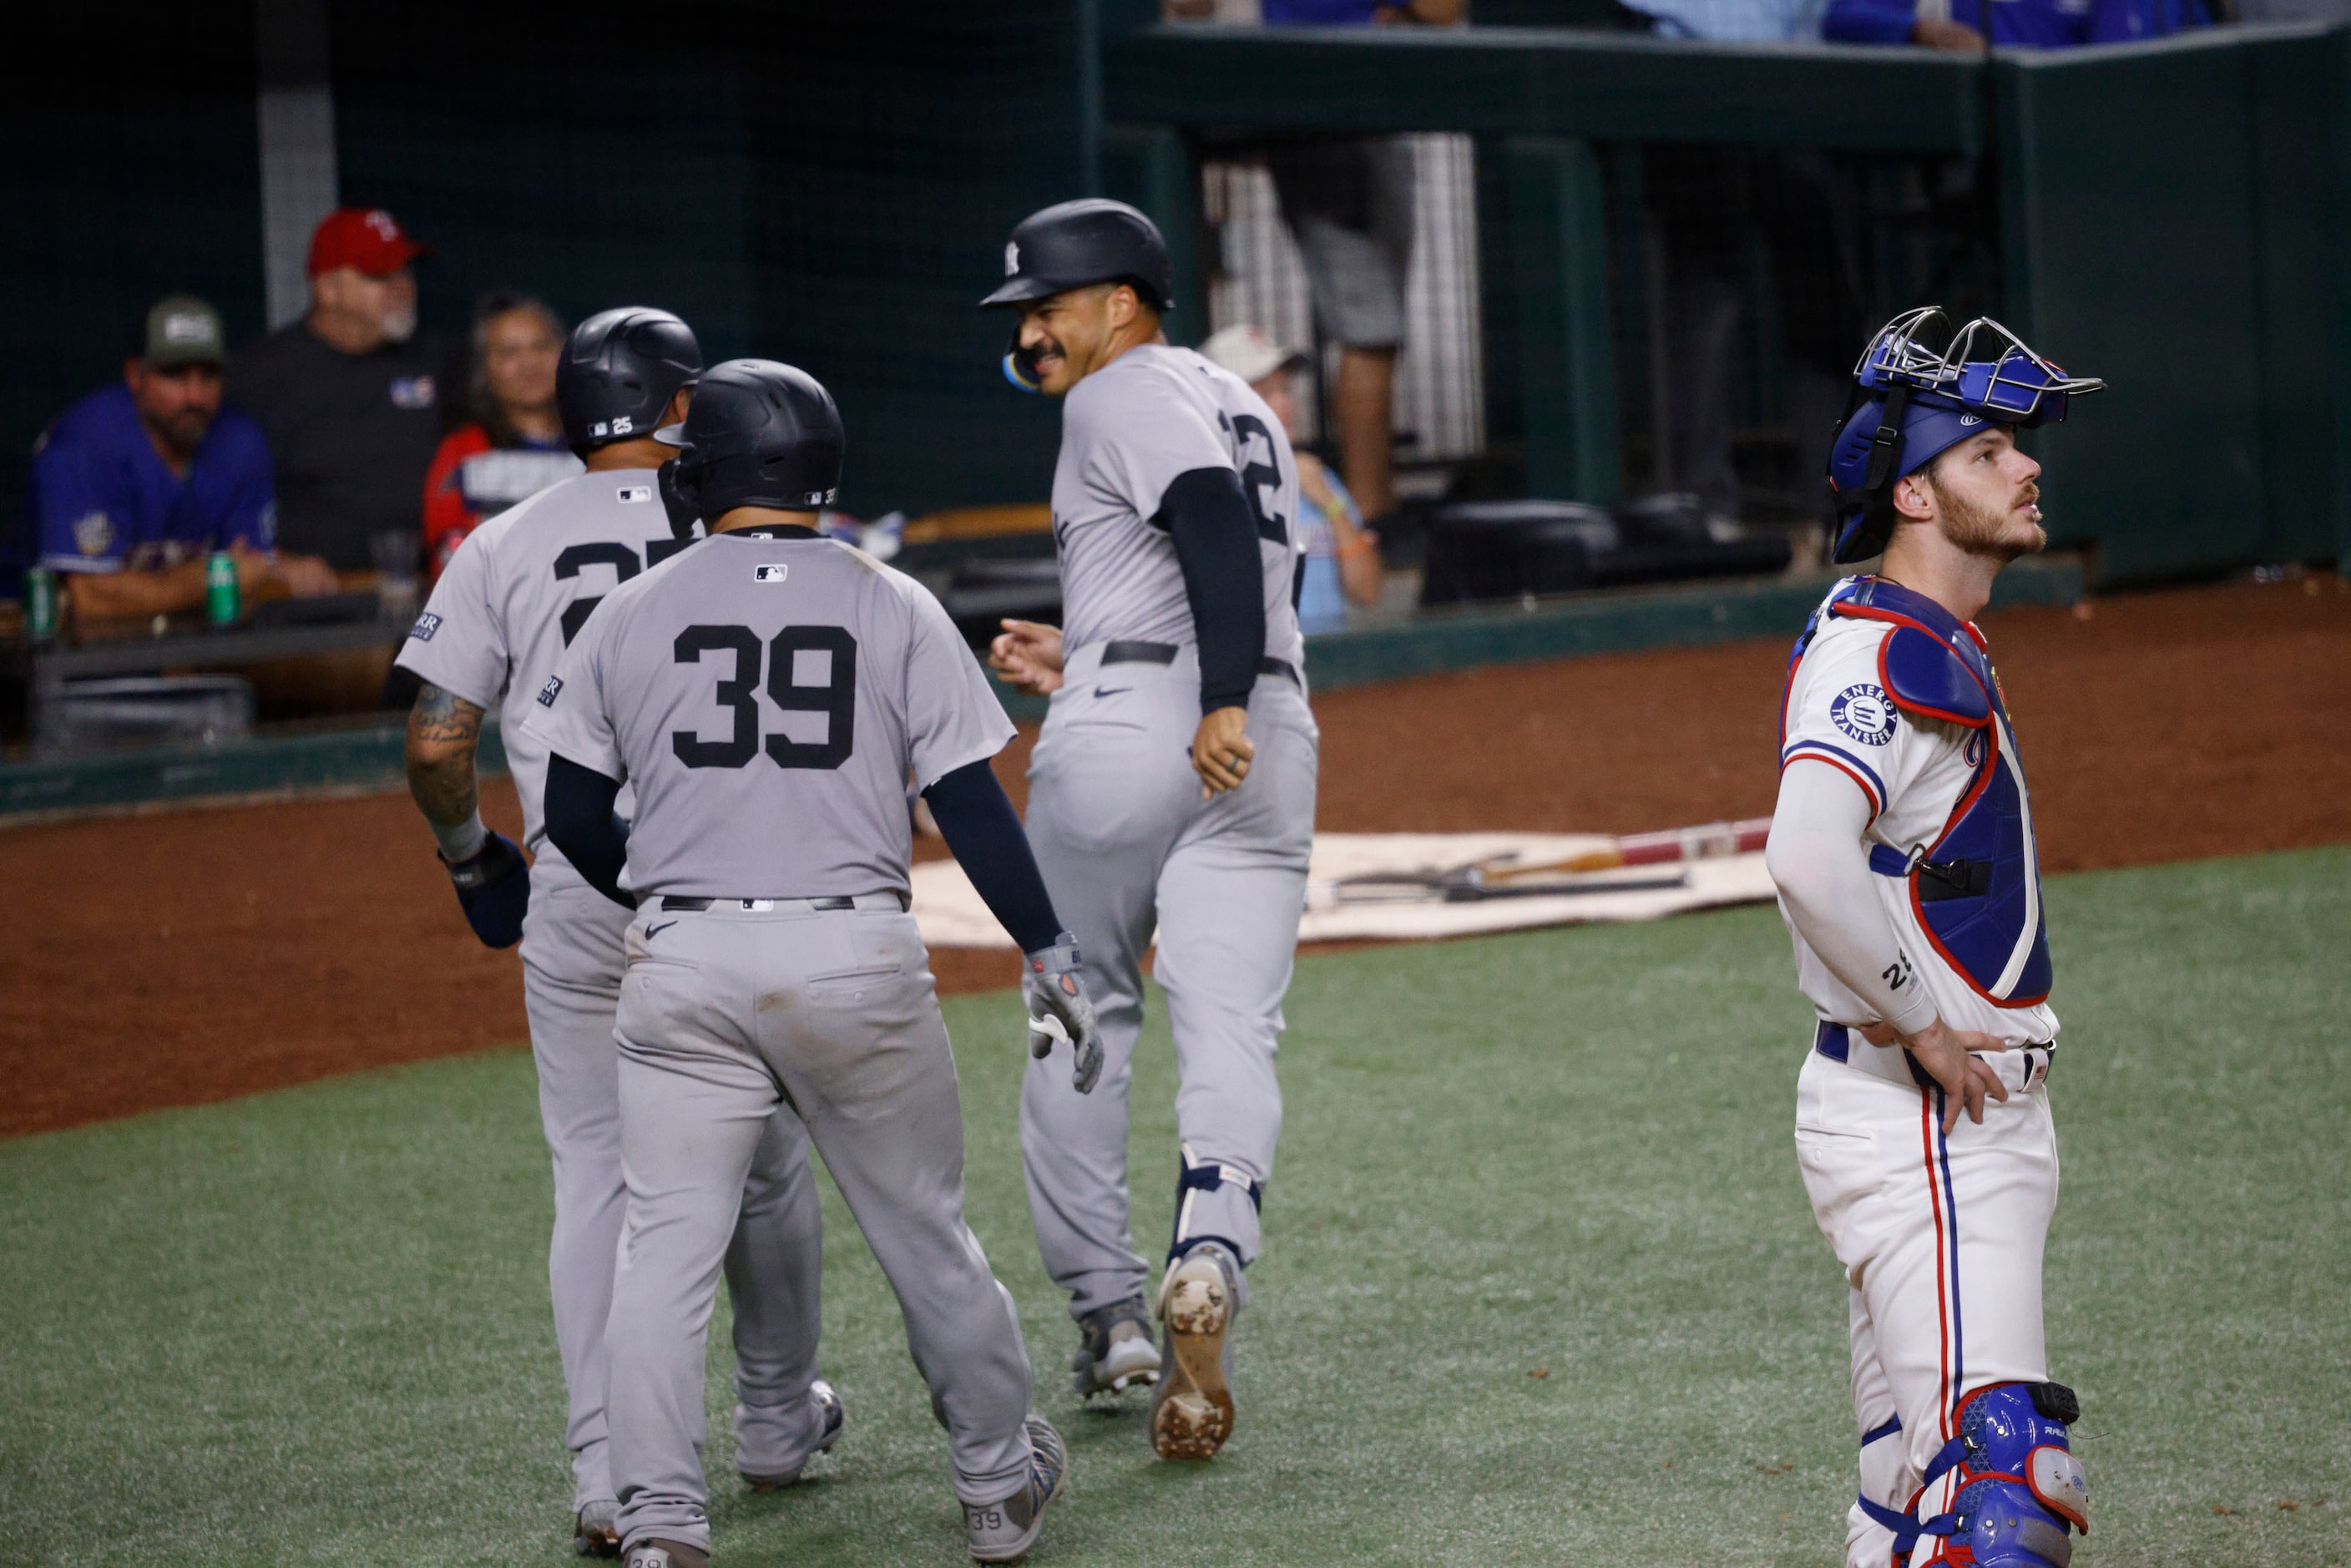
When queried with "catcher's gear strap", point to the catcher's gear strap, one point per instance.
{"points": [[982, 829], [1886, 446], [2021, 1491], [1196, 1177]]}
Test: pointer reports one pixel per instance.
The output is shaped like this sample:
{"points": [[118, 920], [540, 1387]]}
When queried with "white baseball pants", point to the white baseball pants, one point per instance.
{"points": [[1941, 1239]]}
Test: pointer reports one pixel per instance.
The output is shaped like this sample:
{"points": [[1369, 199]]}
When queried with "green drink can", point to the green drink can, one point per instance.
{"points": [[220, 588], [40, 605]]}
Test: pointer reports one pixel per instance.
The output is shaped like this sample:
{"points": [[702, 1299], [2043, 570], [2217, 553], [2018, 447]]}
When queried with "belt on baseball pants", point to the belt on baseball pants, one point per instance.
{"points": [[1165, 653], [671, 905], [1897, 1065]]}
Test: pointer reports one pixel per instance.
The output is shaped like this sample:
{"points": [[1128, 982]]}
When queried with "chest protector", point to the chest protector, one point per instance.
{"points": [[1976, 888]]}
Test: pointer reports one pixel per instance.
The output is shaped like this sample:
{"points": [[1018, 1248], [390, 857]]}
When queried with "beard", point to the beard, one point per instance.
{"points": [[185, 430], [399, 325], [1979, 530]]}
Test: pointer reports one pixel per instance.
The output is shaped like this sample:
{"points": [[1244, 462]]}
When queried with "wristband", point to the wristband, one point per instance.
{"points": [[462, 842]]}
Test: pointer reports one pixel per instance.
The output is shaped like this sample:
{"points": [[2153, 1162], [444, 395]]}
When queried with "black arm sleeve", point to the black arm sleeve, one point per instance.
{"points": [[1207, 516], [980, 826], [579, 820]]}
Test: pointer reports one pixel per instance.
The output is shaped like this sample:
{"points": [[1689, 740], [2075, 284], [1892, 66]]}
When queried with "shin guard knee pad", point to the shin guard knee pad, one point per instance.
{"points": [[2021, 1492]]}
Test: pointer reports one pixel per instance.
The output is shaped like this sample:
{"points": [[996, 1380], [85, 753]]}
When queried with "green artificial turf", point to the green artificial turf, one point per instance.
{"points": [[312, 1326]]}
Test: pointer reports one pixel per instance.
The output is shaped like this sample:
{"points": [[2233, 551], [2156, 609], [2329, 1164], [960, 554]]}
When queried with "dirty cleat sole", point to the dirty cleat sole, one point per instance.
{"points": [[1192, 1413]]}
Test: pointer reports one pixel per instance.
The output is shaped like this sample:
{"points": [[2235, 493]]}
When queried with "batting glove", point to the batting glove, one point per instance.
{"points": [[494, 889], [1054, 988]]}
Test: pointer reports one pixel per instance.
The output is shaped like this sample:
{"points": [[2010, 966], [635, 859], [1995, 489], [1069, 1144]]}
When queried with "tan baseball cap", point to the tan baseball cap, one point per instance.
{"points": [[183, 330], [1250, 354]]}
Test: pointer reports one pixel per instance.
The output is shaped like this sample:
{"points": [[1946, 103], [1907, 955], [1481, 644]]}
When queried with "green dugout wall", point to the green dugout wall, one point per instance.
{"points": [[2172, 217], [832, 185]]}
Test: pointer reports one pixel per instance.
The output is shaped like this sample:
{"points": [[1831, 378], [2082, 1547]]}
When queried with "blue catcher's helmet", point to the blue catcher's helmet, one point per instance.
{"points": [[1915, 401]]}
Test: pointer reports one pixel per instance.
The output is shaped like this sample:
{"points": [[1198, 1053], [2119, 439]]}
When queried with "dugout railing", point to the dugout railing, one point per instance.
{"points": [[2169, 215]]}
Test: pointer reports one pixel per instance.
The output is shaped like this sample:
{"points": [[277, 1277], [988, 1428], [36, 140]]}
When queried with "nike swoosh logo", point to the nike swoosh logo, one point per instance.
{"points": [[653, 931], [1110, 691]]}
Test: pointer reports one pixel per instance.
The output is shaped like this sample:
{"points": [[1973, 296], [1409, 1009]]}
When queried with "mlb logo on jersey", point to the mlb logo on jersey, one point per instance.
{"points": [[548, 693], [770, 573], [633, 494], [426, 624]]}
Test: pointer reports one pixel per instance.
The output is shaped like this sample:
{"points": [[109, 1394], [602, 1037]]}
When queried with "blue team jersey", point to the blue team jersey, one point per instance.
{"points": [[103, 501], [1318, 12], [2021, 24]]}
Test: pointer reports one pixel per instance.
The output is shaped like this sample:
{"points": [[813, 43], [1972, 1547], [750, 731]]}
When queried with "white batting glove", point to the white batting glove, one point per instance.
{"points": [[1053, 985]]}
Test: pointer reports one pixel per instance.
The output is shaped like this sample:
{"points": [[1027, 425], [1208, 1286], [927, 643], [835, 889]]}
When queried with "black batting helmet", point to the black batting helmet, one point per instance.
{"points": [[759, 434], [1078, 243], [619, 370]]}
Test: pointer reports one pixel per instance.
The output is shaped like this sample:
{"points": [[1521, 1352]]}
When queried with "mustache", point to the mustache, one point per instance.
{"points": [[1046, 347]]}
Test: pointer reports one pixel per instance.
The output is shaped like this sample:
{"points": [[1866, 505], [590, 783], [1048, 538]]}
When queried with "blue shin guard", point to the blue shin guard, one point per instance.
{"points": [[2021, 1491]]}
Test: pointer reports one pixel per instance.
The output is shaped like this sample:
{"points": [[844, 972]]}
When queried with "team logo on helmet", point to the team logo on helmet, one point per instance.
{"points": [[1863, 714], [1011, 258]]}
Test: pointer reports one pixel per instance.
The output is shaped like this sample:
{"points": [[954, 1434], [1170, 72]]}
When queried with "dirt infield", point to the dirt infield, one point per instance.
{"points": [[187, 957]]}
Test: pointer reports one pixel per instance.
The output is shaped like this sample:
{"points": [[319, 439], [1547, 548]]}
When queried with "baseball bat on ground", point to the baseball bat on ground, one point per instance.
{"points": [[1670, 852]]}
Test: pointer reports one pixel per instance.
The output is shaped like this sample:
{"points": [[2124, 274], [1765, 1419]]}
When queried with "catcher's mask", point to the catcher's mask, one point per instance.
{"points": [[1911, 401]]}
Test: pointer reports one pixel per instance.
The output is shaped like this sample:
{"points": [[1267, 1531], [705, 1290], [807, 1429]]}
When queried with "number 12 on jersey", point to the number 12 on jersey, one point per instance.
{"points": [[836, 698]]}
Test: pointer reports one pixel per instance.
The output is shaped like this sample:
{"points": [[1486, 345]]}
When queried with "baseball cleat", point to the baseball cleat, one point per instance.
{"points": [[835, 1419], [596, 1529], [1116, 1351], [1004, 1532], [654, 1553], [1192, 1410]]}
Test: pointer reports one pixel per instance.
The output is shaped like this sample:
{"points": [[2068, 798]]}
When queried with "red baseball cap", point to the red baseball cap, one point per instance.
{"points": [[367, 238]]}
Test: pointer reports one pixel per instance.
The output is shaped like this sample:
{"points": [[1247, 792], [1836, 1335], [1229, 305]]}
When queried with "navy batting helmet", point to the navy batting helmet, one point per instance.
{"points": [[1913, 402], [1077, 242], [759, 434], [619, 370]]}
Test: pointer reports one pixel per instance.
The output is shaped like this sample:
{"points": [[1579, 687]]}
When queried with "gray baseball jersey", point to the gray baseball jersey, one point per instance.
{"points": [[1127, 431], [518, 590], [768, 696]]}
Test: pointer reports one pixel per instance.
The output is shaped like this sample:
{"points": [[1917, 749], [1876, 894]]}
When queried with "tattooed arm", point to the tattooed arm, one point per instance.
{"points": [[444, 730]]}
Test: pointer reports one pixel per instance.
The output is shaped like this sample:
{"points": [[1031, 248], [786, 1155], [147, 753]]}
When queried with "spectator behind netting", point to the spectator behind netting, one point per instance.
{"points": [[1709, 207], [136, 484], [351, 396], [513, 446], [1348, 202], [1960, 25], [1341, 562]]}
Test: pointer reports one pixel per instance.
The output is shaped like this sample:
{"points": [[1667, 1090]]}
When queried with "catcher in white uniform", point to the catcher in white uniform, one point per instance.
{"points": [[1171, 790], [1904, 853]]}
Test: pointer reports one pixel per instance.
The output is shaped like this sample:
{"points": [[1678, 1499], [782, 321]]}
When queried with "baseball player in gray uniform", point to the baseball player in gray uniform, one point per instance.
{"points": [[1171, 789], [768, 695], [516, 592]]}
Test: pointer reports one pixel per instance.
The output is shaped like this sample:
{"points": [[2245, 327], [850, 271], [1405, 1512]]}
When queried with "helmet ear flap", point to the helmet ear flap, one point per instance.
{"points": [[681, 497]]}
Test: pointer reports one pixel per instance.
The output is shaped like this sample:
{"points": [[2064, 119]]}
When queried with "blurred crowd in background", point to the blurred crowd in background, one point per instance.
{"points": [[348, 447]]}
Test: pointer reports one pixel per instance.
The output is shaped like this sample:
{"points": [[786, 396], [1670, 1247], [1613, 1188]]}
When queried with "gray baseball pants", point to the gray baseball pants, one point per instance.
{"points": [[729, 1017], [571, 948], [1127, 846]]}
